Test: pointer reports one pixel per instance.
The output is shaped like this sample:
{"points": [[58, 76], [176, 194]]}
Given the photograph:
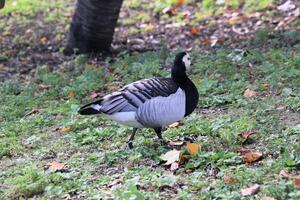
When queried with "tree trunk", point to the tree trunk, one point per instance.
{"points": [[2, 4], [93, 25]]}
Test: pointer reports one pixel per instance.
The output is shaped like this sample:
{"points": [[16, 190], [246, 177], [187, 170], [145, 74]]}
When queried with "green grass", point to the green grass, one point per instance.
{"points": [[94, 149]]}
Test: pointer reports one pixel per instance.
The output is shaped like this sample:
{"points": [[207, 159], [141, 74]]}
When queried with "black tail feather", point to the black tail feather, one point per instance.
{"points": [[88, 110]]}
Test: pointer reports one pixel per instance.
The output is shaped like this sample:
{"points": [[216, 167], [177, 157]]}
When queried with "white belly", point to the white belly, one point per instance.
{"points": [[126, 118]]}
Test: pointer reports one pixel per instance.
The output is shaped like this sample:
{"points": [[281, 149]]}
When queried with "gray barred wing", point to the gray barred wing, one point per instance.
{"points": [[134, 95]]}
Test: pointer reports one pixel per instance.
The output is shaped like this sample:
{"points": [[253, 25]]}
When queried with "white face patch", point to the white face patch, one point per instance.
{"points": [[187, 62]]}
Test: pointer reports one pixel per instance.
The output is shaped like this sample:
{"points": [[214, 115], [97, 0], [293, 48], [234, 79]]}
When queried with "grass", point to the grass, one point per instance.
{"points": [[93, 149], [97, 165]]}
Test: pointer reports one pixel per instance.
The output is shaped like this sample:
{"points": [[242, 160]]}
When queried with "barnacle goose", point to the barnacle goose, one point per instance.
{"points": [[150, 103]]}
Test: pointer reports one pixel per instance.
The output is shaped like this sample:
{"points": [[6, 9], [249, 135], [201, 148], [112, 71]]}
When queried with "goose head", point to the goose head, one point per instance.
{"points": [[181, 66]]}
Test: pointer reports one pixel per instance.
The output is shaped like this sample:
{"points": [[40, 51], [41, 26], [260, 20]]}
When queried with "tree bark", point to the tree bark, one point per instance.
{"points": [[92, 26], [2, 4]]}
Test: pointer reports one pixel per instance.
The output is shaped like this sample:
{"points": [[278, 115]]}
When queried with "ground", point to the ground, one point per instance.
{"points": [[247, 71]]}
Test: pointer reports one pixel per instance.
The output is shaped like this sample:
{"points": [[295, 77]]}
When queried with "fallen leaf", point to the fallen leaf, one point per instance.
{"points": [[174, 125], [243, 150], [284, 174], [229, 179], [90, 66], [265, 85], [6, 33], [95, 95], [280, 107], [206, 42], [170, 157], [33, 111], [194, 31], [251, 157], [221, 79], [213, 40], [210, 75], [27, 145], [170, 11], [249, 93], [240, 31], [267, 198], [193, 148], [288, 5], [174, 166], [45, 87], [149, 27], [55, 166], [114, 182], [179, 3], [71, 94], [246, 134], [297, 181], [66, 129], [175, 143], [253, 189], [237, 19], [43, 40]]}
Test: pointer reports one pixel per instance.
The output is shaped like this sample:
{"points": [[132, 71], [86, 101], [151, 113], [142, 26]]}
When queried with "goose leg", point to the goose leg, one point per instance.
{"points": [[129, 143], [158, 133]]}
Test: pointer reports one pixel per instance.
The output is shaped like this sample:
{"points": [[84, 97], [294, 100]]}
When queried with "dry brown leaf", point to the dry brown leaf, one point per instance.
{"points": [[175, 143], [170, 11], [174, 166], [95, 95], [33, 111], [27, 145], [249, 93], [179, 3], [170, 157], [284, 174], [280, 107], [210, 75], [114, 182], [174, 125], [243, 150], [251, 157], [66, 129], [267, 198], [234, 20], [253, 189], [297, 181], [6, 33], [90, 66], [206, 42], [246, 134], [221, 79], [193, 148], [71, 94], [265, 85], [194, 31], [55, 166], [43, 40], [229, 179]]}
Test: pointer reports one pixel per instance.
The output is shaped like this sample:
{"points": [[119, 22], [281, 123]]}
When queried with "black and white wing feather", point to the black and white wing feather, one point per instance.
{"points": [[131, 96]]}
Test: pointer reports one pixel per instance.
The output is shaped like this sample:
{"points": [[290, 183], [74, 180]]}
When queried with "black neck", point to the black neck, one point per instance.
{"points": [[178, 74], [191, 93]]}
